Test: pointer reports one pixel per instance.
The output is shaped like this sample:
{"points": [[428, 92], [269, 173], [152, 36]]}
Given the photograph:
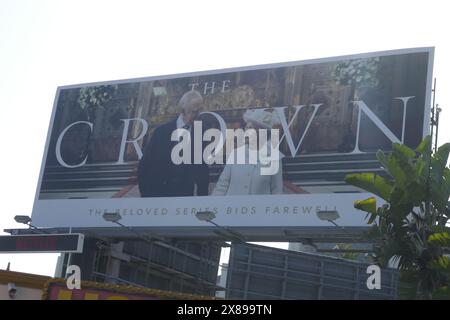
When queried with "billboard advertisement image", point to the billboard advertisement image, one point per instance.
{"points": [[259, 146]]}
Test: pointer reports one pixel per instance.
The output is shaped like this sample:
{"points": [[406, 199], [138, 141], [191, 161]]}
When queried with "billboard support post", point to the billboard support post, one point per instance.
{"points": [[435, 112], [434, 115], [69, 259], [438, 111], [158, 240], [114, 217]]}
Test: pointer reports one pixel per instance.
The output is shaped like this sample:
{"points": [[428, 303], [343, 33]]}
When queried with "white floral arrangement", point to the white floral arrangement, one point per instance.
{"points": [[96, 96], [359, 72]]}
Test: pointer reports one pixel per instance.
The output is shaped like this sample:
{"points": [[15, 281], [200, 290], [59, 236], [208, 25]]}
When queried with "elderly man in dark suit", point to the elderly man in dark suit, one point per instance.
{"points": [[158, 176]]}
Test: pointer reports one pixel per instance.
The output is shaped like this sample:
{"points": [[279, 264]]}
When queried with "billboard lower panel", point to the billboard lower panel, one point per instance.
{"points": [[233, 211]]}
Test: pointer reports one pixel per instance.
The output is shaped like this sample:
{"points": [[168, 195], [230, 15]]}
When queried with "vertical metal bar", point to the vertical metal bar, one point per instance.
{"points": [[356, 293], [283, 288], [433, 107], [69, 260], [427, 199], [437, 127], [319, 292], [147, 267], [247, 275], [394, 286], [171, 265], [185, 262]]}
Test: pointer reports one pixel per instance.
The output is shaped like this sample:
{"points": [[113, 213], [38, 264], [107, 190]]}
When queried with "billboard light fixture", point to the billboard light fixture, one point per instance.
{"points": [[22, 219], [205, 215], [328, 215], [112, 216], [27, 220]]}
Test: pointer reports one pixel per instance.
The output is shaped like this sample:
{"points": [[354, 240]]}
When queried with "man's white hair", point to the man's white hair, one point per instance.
{"points": [[188, 98]]}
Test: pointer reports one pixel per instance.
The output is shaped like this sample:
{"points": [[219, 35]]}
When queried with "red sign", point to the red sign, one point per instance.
{"points": [[36, 243], [72, 242]]}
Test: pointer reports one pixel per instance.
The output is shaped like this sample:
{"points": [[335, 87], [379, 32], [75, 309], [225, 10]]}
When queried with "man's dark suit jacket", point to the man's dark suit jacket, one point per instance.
{"points": [[158, 176]]}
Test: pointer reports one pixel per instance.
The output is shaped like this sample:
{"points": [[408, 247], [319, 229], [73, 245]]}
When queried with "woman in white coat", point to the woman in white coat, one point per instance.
{"points": [[246, 179]]}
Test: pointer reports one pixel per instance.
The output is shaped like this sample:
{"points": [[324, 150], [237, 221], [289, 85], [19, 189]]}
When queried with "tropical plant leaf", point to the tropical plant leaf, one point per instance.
{"points": [[415, 193], [405, 150], [396, 165], [411, 227], [420, 171], [440, 190], [372, 183], [368, 205], [442, 238], [442, 154], [443, 262], [440, 229], [424, 146]]}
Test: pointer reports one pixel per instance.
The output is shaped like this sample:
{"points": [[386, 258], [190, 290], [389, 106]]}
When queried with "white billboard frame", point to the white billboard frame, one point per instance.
{"points": [[66, 213]]}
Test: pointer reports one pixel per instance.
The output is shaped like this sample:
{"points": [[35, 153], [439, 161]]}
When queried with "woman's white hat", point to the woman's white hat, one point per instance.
{"points": [[261, 118]]}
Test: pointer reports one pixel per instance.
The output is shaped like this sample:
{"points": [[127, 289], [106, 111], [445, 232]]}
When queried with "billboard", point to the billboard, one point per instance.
{"points": [[260, 146]]}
